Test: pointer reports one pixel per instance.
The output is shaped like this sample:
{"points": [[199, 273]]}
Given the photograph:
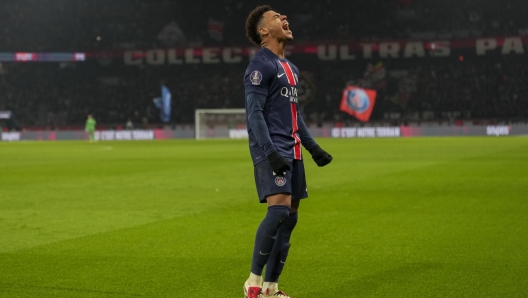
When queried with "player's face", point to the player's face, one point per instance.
{"points": [[276, 25]]}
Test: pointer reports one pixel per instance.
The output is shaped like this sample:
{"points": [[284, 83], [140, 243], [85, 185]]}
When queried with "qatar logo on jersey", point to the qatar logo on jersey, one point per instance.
{"points": [[280, 181], [290, 93], [357, 100], [255, 77]]}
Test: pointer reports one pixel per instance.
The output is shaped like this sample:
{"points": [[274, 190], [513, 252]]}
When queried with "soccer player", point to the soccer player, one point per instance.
{"points": [[90, 127], [276, 131]]}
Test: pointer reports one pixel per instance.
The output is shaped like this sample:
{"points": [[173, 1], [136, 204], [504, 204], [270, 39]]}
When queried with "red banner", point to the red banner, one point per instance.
{"points": [[324, 51], [358, 102]]}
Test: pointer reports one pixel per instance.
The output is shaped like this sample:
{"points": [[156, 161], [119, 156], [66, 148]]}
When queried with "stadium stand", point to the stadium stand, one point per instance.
{"points": [[59, 95]]}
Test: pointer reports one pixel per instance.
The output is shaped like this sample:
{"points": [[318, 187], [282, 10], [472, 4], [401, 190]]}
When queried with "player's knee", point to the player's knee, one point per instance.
{"points": [[285, 248]]}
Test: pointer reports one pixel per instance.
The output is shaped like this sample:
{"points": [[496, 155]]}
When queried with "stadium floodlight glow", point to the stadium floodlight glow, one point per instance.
{"points": [[220, 123]]}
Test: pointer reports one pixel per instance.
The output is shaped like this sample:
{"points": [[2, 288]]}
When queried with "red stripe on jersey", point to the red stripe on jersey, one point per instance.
{"points": [[295, 128], [289, 73]]}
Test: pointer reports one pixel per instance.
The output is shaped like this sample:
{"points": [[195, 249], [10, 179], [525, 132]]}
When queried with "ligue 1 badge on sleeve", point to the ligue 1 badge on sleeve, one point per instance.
{"points": [[255, 77]]}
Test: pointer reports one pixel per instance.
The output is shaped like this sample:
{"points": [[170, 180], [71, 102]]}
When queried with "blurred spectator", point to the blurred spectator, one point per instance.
{"points": [[66, 25], [477, 88]]}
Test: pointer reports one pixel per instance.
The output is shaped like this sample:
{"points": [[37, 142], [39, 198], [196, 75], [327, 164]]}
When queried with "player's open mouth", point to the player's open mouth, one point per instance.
{"points": [[286, 26]]}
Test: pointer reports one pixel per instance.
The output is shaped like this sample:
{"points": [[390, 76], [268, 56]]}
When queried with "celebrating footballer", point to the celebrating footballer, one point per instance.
{"points": [[276, 132]]}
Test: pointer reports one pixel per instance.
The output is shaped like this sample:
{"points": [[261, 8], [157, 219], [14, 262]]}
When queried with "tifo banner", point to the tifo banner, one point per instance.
{"points": [[327, 51], [394, 49], [358, 102]]}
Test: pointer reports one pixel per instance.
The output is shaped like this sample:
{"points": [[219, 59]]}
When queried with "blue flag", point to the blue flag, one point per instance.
{"points": [[163, 103]]}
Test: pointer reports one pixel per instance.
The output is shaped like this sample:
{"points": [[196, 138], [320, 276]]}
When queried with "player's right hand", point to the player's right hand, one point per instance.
{"points": [[278, 163]]}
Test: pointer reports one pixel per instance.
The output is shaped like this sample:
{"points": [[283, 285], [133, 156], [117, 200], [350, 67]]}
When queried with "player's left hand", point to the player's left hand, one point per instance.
{"points": [[321, 157], [278, 163]]}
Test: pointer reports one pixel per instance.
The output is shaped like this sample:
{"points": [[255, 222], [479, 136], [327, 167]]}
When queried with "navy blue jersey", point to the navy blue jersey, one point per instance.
{"points": [[277, 80]]}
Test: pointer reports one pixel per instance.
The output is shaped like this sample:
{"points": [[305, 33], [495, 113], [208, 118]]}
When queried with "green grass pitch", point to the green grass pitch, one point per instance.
{"points": [[419, 217]]}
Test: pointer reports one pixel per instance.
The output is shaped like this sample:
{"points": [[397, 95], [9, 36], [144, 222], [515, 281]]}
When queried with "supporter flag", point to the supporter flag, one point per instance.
{"points": [[375, 76], [163, 103], [172, 34], [215, 29], [358, 102]]}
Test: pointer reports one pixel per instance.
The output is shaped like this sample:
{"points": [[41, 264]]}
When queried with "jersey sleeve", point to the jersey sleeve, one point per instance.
{"points": [[306, 138], [259, 77], [254, 107]]}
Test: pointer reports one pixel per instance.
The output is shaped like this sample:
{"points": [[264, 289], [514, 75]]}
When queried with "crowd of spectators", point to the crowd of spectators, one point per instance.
{"points": [[446, 89], [47, 95], [54, 95], [495, 89], [474, 89], [84, 25]]}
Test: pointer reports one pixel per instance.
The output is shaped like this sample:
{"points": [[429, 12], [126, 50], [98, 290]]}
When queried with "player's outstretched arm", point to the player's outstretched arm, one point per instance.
{"points": [[254, 107], [321, 157]]}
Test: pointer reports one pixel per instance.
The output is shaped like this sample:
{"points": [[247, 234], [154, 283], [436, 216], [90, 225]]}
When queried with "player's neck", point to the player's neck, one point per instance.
{"points": [[276, 48]]}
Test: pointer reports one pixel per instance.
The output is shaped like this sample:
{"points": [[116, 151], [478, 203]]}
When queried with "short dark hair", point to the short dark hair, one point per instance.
{"points": [[252, 23]]}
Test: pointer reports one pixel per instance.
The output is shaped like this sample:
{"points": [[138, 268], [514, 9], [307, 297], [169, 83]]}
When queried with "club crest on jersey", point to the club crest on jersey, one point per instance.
{"points": [[255, 77], [280, 181]]}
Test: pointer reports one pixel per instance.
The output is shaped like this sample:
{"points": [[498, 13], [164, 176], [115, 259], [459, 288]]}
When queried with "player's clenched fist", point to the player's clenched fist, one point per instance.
{"points": [[278, 163], [321, 157]]}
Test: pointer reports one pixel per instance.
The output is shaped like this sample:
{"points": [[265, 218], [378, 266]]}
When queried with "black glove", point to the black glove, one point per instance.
{"points": [[321, 157], [278, 163]]}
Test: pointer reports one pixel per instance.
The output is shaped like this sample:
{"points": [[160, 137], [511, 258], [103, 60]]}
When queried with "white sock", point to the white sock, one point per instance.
{"points": [[254, 280], [270, 288]]}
